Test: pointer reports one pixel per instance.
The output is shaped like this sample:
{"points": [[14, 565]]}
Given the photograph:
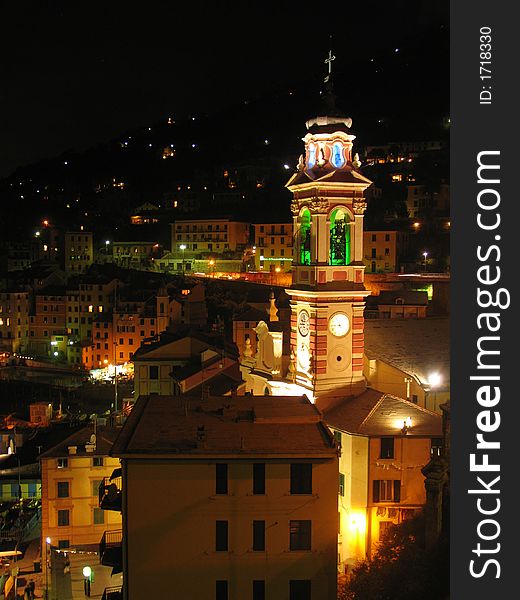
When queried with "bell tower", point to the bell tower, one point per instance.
{"points": [[328, 292]]}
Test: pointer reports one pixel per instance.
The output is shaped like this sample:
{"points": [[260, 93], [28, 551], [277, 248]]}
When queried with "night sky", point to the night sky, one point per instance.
{"points": [[78, 73]]}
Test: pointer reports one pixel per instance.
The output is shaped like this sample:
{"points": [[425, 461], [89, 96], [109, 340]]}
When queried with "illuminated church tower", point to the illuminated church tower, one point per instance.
{"points": [[328, 293]]}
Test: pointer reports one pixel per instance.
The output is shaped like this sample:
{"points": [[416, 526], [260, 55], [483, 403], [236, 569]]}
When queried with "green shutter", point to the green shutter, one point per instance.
{"points": [[375, 490], [397, 490]]}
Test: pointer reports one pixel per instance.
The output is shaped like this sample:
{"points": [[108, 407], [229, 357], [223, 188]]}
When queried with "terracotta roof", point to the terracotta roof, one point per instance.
{"points": [[105, 437], [238, 426], [376, 414]]}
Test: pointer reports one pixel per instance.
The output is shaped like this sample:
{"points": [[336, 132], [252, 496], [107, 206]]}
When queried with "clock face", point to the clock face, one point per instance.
{"points": [[303, 323], [339, 324]]}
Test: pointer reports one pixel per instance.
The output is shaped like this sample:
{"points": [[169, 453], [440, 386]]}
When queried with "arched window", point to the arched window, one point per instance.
{"points": [[311, 158], [304, 242], [339, 238], [338, 159], [266, 391]]}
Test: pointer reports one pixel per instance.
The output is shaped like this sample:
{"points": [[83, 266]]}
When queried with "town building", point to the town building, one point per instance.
{"points": [[385, 442], [78, 251], [14, 321], [178, 361], [48, 336], [273, 245], [383, 250], [213, 236], [71, 474], [428, 202], [409, 358], [246, 487]]}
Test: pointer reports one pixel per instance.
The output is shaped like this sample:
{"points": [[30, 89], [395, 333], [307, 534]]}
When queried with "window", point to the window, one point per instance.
{"points": [[221, 478], [154, 372], [258, 478], [342, 484], [221, 589], [221, 536], [62, 463], [436, 447], [373, 253], [63, 489], [387, 251], [95, 486], [259, 589], [300, 589], [63, 518], [98, 516], [300, 535], [98, 461], [259, 536], [387, 447], [387, 237], [301, 478], [374, 237], [386, 490]]}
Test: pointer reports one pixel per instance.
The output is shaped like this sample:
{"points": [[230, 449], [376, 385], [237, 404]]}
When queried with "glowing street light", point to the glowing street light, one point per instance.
{"points": [[434, 379], [182, 247], [87, 574]]}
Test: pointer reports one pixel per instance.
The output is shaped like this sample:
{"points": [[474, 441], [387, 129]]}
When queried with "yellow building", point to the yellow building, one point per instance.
{"points": [[227, 497], [14, 321], [79, 251], [209, 235], [409, 358], [71, 474], [385, 442], [383, 250], [274, 246]]}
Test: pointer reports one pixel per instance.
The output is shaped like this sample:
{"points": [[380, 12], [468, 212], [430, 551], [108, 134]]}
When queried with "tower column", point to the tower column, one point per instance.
{"points": [[358, 238]]}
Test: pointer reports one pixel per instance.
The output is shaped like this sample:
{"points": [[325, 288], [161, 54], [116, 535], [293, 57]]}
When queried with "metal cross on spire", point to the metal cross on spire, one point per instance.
{"points": [[328, 61]]}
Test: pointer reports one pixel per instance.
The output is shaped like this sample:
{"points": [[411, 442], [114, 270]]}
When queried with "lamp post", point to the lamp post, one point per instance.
{"points": [[211, 264], [182, 247], [47, 566], [87, 574], [425, 255]]}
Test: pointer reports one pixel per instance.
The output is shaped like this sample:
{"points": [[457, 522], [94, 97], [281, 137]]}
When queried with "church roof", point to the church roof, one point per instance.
{"points": [[349, 175]]}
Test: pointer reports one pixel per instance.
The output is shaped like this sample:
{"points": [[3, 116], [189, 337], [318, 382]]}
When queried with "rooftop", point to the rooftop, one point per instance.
{"points": [[377, 414], [105, 437], [418, 347], [244, 426]]}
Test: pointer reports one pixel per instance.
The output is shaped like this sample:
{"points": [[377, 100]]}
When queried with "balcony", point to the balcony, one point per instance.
{"points": [[110, 550], [113, 593], [110, 492]]}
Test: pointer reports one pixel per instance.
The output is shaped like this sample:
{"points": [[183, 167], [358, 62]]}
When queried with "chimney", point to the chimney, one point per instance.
{"points": [[201, 436]]}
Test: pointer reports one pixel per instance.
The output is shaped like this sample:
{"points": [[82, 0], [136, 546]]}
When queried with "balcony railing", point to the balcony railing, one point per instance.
{"points": [[110, 492], [110, 550], [113, 593]]}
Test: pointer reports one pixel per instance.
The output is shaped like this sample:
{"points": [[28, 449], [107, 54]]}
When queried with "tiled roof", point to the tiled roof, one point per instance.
{"points": [[105, 437], [376, 414], [239, 426]]}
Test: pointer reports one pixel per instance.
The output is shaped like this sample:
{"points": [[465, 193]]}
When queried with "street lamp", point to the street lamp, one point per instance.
{"points": [[425, 254], [47, 566], [182, 247], [211, 264], [87, 574]]}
